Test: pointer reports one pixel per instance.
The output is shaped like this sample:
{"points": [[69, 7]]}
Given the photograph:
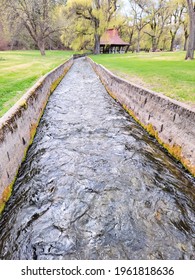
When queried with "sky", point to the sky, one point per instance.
{"points": [[125, 4]]}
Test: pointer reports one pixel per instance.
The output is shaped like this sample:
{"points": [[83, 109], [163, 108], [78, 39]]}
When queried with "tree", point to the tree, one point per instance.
{"points": [[185, 24], [3, 38], [140, 20], [78, 34], [176, 17], [191, 39], [157, 15], [127, 30], [35, 16], [98, 14]]}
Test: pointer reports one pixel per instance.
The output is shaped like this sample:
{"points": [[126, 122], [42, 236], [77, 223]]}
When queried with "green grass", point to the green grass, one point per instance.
{"points": [[19, 70], [167, 73]]}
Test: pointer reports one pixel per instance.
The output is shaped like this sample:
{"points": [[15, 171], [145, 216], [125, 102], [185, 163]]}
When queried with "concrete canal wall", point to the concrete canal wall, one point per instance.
{"points": [[18, 127], [172, 123]]}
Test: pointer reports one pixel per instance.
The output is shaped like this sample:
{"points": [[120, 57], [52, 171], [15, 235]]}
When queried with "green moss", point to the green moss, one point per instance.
{"points": [[33, 130], [8, 190], [23, 104], [56, 82], [175, 150], [6, 195], [110, 93], [132, 114], [106, 87], [35, 125]]}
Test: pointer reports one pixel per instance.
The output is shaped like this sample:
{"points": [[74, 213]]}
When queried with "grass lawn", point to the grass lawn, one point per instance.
{"points": [[19, 70], [167, 73]]}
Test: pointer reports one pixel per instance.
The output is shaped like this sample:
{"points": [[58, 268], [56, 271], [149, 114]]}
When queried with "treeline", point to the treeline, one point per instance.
{"points": [[150, 25]]}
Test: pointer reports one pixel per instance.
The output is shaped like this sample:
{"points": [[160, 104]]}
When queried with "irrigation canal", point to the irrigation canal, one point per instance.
{"points": [[95, 185]]}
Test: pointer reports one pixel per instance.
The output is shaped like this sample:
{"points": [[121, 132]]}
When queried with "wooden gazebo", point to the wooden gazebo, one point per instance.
{"points": [[111, 42]]}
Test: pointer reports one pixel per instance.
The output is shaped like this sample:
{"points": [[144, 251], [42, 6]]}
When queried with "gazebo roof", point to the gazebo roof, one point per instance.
{"points": [[111, 37]]}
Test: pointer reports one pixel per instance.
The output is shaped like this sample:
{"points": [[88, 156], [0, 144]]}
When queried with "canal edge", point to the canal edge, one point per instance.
{"points": [[18, 127], [169, 121]]}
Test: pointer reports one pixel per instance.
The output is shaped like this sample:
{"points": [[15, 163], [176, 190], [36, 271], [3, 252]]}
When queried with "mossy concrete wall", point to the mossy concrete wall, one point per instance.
{"points": [[172, 123], [18, 127]]}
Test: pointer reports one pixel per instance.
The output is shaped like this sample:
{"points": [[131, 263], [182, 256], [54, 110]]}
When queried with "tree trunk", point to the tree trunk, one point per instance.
{"points": [[96, 35], [41, 46], [164, 44], [191, 39], [97, 44], [185, 41], [154, 44], [172, 42], [130, 42], [138, 41]]}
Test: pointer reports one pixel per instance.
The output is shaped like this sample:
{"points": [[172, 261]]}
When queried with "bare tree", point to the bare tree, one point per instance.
{"points": [[157, 14], [185, 25], [35, 16], [129, 29], [176, 19], [140, 20], [191, 39]]}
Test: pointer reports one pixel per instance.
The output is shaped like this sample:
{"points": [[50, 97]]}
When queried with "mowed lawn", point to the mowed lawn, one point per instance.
{"points": [[19, 70], [167, 73]]}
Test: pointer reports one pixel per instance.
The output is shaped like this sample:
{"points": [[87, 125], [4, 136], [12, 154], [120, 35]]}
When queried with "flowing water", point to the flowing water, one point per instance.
{"points": [[95, 186]]}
